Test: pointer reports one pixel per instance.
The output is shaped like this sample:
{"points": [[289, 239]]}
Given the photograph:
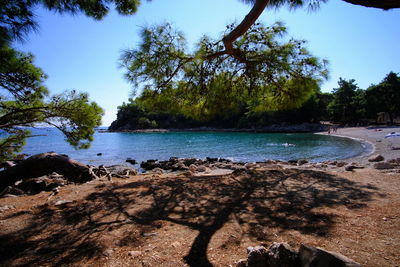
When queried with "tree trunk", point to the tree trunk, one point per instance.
{"points": [[391, 118], [44, 164]]}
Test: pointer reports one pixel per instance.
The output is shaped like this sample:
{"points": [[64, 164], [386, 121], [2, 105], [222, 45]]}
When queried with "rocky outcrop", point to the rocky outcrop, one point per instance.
{"points": [[47, 171], [282, 255], [185, 164]]}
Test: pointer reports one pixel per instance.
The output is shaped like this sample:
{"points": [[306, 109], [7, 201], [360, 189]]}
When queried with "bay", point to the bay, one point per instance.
{"points": [[249, 147]]}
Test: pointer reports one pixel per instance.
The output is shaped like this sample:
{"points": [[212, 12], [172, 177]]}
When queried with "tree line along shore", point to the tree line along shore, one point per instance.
{"points": [[346, 105]]}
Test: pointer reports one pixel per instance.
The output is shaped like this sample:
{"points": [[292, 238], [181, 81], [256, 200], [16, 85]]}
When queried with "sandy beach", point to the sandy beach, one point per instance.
{"points": [[199, 219], [376, 143]]}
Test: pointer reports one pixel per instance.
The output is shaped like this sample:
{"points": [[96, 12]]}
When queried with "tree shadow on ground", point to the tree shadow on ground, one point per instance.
{"points": [[290, 199]]}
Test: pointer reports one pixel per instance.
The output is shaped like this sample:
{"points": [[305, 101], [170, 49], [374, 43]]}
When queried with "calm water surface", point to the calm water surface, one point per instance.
{"points": [[116, 147]]}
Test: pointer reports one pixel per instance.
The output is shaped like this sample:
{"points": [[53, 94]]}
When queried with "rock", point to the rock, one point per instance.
{"points": [[257, 256], [376, 158], [241, 263], [350, 168], [383, 166], [211, 160], [227, 166], [10, 190], [187, 173], [394, 161], [282, 255], [189, 161], [8, 195], [180, 166], [7, 164], [173, 159], [192, 168], [37, 185], [318, 257], [45, 163], [99, 154], [341, 164], [201, 168], [108, 252], [321, 165], [158, 170], [119, 171], [149, 234], [134, 253], [292, 162], [249, 165], [224, 160], [149, 164], [176, 244], [6, 207], [131, 161], [62, 202], [302, 162]]}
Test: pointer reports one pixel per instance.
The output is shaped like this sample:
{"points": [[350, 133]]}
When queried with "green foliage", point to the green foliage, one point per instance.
{"points": [[17, 17], [228, 108], [351, 104], [385, 96], [25, 102], [342, 108], [141, 113], [270, 74], [269, 82]]}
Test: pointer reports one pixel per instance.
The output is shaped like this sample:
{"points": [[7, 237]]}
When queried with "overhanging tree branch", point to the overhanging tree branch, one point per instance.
{"points": [[383, 4], [238, 31]]}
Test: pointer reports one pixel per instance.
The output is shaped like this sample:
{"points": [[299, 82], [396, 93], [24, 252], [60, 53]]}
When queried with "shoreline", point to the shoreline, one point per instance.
{"points": [[372, 136], [369, 147], [275, 128]]}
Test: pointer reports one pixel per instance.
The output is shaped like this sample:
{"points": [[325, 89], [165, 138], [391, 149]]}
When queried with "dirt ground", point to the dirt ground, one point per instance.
{"points": [[175, 220]]}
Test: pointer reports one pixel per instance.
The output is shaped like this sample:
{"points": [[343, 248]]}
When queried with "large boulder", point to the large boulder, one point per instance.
{"points": [[282, 255], [318, 257], [45, 164]]}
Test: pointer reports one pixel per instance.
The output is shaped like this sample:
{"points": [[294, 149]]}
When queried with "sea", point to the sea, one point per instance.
{"points": [[109, 148]]}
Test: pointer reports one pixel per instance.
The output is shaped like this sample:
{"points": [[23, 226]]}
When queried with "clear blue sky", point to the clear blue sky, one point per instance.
{"points": [[79, 53]]}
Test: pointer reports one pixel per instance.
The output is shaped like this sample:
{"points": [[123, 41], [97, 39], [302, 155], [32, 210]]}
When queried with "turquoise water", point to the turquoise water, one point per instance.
{"points": [[249, 147]]}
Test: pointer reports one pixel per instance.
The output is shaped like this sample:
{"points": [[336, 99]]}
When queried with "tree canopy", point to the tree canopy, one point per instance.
{"points": [[24, 100], [274, 72], [347, 105], [385, 96], [270, 74]]}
